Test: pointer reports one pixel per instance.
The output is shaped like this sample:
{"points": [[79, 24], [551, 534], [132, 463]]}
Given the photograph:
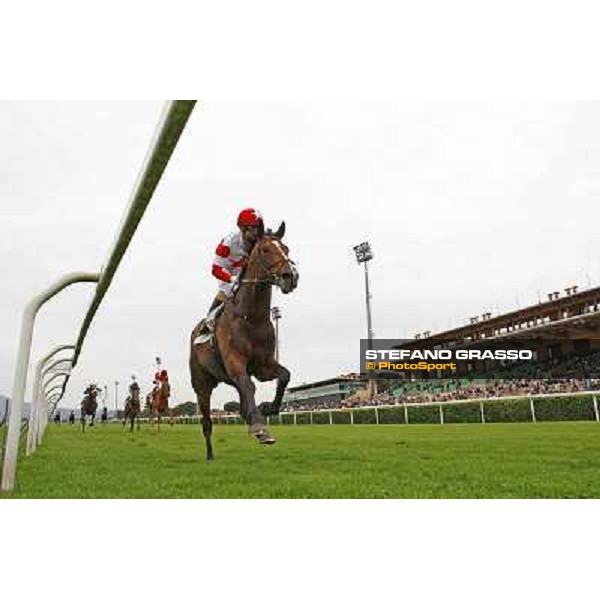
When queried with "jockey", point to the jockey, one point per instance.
{"points": [[133, 387], [230, 258]]}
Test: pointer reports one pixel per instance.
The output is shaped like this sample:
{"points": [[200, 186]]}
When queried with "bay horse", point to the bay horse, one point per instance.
{"points": [[244, 338], [132, 406], [89, 405], [159, 404]]}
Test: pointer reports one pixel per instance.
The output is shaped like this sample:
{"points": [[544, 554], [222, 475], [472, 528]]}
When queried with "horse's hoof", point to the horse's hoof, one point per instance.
{"points": [[264, 437]]}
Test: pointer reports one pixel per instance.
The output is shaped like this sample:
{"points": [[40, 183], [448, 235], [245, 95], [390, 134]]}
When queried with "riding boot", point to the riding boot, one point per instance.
{"points": [[213, 313]]}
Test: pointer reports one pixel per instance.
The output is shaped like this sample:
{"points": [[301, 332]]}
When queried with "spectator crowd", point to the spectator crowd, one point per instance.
{"points": [[575, 374]]}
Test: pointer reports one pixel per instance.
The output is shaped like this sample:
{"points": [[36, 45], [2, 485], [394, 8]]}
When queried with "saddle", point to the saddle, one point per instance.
{"points": [[203, 333]]}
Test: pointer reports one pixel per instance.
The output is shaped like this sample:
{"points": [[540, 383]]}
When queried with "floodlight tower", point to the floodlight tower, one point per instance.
{"points": [[276, 314], [363, 255], [116, 399]]}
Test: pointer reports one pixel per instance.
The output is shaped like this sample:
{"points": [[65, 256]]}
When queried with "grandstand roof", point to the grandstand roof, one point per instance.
{"points": [[572, 315], [352, 378]]}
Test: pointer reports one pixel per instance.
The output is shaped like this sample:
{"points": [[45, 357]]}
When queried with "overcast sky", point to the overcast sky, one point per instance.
{"points": [[469, 207]]}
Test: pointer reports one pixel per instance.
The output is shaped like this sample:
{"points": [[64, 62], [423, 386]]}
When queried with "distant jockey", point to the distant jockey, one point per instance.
{"points": [[134, 386], [230, 258]]}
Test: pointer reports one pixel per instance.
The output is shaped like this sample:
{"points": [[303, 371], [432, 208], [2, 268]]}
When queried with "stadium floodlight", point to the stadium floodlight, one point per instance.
{"points": [[363, 255], [276, 314], [363, 252]]}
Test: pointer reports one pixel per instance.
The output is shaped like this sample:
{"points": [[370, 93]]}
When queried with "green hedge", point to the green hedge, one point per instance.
{"points": [[286, 418], [321, 417], [424, 414], [365, 416], [275, 419], [568, 408], [513, 410], [462, 413], [341, 417], [391, 415], [507, 411], [229, 421], [303, 418]]}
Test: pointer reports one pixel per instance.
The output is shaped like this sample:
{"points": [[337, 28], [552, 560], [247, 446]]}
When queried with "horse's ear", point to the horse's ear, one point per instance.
{"points": [[281, 231], [261, 229]]}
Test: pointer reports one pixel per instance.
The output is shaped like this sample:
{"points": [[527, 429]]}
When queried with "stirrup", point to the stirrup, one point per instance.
{"points": [[205, 332]]}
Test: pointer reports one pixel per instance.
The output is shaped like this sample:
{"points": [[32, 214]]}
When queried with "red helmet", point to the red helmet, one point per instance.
{"points": [[249, 216]]}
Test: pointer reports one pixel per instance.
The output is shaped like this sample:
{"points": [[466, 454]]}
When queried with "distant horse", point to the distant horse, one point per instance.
{"points": [[104, 416], [148, 405], [89, 405], [244, 345], [57, 418], [160, 401], [132, 406]]}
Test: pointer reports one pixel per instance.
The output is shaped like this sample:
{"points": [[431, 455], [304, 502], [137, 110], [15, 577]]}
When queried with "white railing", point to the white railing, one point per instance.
{"points": [[351, 412], [441, 404], [168, 132]]}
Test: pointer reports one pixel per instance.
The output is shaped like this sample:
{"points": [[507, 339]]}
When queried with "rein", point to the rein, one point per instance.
{"points": [[270, 279]]}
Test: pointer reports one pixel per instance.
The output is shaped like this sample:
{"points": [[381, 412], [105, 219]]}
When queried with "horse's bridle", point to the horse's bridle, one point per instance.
{"points": [[272, 279]]}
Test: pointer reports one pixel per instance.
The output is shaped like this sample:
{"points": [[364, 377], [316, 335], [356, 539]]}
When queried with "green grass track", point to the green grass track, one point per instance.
{"points": [[543, 460]]}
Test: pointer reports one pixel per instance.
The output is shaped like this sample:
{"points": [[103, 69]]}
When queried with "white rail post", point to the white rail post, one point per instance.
{"points": [[34, 419], [532, 409], [35, 416], [351, 417], [406, 414], [596, 408], [330, 418], [22, 364], [441, 409], [45, 394], [311, 417], [481, 410], [295, 421], [376, 416]]}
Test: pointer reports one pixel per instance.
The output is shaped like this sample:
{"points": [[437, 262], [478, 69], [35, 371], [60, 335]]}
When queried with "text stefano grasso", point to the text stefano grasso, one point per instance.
{"points": [[497, 354]]}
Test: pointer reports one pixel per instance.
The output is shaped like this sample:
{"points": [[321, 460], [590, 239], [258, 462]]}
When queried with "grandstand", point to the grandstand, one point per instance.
{"points": [[323, 393], [559, 328], [564, 330], [571, 315]]}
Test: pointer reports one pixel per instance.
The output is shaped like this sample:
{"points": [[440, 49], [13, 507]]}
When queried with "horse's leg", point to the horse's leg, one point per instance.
{"points": [[283, 378], [207, 425], [248, 409], [272, 371], [203, 386]]}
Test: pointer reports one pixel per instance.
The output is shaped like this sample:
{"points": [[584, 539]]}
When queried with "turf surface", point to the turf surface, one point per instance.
{"points": [[543, 460]]}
